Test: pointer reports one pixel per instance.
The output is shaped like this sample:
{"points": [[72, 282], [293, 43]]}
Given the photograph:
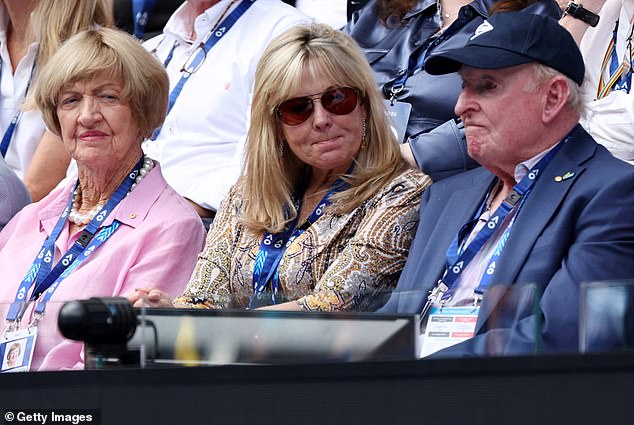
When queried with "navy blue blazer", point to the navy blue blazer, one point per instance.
{"points": [[576, 230]]}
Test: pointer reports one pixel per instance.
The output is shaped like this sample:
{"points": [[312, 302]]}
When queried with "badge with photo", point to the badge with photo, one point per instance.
{"points": [[16, 350]]}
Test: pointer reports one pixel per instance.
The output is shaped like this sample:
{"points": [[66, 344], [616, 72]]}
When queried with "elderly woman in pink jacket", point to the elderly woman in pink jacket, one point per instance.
{"points": [[115, 227]]}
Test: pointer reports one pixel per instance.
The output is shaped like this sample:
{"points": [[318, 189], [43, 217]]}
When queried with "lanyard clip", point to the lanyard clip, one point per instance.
{"points": [[477, 299], [10, 326], [513, 198], [34, 321], [84, 238], [436, 294], [394, 92], [14, 324]]}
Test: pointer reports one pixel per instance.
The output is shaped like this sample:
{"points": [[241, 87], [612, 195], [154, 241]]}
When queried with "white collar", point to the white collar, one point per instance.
{"points": [[524, 167], [179, 24]]}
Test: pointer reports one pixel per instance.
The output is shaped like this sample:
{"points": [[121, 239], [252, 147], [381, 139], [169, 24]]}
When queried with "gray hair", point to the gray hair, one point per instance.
{"points": [[575, 96]]}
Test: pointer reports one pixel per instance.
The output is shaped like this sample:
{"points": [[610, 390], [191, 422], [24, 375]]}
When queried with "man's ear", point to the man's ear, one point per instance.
{"points": [[556, 97]]}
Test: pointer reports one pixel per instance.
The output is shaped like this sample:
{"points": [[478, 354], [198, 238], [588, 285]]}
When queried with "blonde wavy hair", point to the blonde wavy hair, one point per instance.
{"points": [[55, 21], [269, 179]]}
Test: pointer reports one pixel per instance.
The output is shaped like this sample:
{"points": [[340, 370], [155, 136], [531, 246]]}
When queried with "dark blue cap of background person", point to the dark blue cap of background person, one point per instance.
{"points": [[514, 38]]}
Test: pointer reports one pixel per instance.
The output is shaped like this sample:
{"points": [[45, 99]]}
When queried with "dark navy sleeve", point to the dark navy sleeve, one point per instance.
{"points": [[442, 152]]}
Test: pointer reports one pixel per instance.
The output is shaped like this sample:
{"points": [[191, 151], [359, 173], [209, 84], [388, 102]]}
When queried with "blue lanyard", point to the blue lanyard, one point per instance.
{"points": [[272, 250], [415, 65], [168, 59], [170, 54], [458, 260], [141, 10], [43, 275], [102, 236], [8, 134], [214, 37]]}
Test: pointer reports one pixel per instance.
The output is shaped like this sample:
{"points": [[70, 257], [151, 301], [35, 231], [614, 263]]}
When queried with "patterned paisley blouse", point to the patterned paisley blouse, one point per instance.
{"points": [[341, 262]]}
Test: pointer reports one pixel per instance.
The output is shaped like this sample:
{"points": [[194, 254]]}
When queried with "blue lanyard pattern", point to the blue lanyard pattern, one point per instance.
{"points": [[43, 275], [458, 260], [272, 250], [8, 134], [141, 10], [214, 37], [102, 236]]}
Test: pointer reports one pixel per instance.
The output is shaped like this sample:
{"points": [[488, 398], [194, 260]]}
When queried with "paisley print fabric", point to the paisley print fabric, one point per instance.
{"points": [[341, 262]]}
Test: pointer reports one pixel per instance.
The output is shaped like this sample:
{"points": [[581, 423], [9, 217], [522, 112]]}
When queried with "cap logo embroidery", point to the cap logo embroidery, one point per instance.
{"points": [[483, 28]]}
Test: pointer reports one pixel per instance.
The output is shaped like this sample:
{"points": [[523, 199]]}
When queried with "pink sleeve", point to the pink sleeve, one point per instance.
{"points": [[167, 258]]}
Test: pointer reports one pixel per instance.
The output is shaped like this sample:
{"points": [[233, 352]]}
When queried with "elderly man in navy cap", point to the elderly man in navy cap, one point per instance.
{"points": [[548, 207]]}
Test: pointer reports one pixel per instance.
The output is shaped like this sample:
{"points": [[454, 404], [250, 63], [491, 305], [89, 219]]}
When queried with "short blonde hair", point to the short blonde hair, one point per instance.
{"points": [[112, 53], [313, 48], [16, 346]]}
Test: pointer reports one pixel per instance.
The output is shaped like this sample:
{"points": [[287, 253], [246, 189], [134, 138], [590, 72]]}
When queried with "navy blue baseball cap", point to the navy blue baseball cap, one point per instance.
{"points": [[514, 38]]}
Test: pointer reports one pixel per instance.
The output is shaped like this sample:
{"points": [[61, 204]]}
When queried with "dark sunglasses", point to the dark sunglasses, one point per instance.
{"points": [[339, 101]]}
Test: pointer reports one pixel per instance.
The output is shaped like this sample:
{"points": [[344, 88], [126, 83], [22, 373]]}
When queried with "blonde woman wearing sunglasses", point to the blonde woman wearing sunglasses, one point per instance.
{"points": [[324, 214]]}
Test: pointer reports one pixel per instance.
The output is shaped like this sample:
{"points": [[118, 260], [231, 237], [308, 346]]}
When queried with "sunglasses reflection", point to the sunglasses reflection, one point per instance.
{"points": [[338, 101]]}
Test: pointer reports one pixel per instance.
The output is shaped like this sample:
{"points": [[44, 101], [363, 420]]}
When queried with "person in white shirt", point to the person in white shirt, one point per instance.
{"points": [[18, 58], [609, 107], [201, 142], [331, 12]]}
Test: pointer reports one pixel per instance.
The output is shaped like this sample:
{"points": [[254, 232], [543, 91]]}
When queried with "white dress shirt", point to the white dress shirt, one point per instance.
{"points": [[13, 86], [331, 12], [201, 143], [609, 120], [472, 273]]}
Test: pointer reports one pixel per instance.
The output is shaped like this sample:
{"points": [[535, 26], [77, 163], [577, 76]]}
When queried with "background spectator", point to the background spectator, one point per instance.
{"points": [[13, 194], [157, 12], [201, 142], [607, 50], [398, 35], [30, 32]]}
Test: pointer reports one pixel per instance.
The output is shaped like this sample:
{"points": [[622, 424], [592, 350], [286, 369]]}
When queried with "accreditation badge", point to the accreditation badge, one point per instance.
{"points": [[16, 350], [398, 112], [448, 326]]}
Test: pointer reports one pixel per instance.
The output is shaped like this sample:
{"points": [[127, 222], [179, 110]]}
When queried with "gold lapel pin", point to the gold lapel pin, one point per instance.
{"points": [[566, 176]]}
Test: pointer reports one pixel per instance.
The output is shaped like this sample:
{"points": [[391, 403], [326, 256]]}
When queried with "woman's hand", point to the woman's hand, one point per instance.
{"points": [[150, 297]]}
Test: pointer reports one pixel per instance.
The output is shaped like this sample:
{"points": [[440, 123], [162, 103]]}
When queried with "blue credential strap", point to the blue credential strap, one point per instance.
{"points": [[214, 37], [8, 134], [457, 261], [40, 273], [272, 249]]}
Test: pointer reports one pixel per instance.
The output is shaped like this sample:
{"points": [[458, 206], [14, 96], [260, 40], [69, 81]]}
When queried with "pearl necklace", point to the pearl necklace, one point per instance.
{"points": [[82, 219]]}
